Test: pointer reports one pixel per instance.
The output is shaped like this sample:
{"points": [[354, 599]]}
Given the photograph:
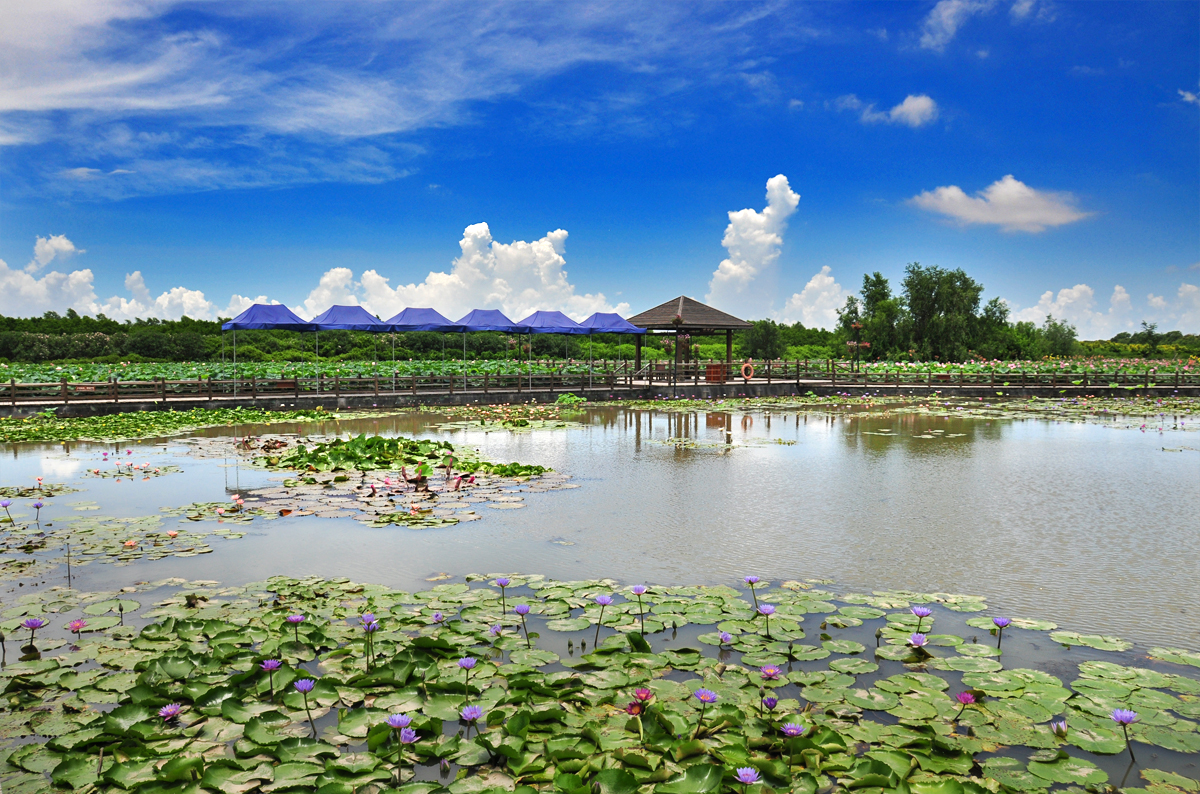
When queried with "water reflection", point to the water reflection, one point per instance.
{"points": [[1073, 523]]}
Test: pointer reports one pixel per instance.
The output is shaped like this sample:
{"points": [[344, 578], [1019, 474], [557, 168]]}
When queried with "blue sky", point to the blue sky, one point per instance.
{"points": [[159, 158]]}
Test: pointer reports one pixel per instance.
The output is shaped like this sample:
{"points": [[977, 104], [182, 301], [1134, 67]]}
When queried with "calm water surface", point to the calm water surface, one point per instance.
{"points": [[1095, 528]]}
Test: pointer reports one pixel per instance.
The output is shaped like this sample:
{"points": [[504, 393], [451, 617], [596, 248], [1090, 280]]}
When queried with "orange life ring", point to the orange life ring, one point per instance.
{"points": [[747, 367]]}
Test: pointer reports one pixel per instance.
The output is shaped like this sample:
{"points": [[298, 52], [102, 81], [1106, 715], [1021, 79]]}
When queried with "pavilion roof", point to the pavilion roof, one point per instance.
{"points": [[696, 316]]}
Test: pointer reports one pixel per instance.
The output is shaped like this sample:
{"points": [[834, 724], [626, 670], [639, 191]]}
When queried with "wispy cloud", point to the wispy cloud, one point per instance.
{"points": [[189, 101], [946, 18], [916, 110]]}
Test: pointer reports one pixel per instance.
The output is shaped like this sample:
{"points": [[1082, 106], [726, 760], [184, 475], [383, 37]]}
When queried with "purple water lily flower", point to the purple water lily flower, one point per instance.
{"points": [[6, 503], [408, 736], [726, 638], [399, 721], [471, 713], [639, 589], [76, 626], [438, 617], [767, 610], [918, 640], [1059, 727], [1125, 718], [770, 703], [921, 613], [33, 624], [466, 663], [603, 601], [496, 630], [752, 580], [705, 695], [1000, 624], [271, 664], [503, 582], [747, 775], [793, 729], [305, 685], [965, 699], [521, 609], [170, 711], [770, 672]]}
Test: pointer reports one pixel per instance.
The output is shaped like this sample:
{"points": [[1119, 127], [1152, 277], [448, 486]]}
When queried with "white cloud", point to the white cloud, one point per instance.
{"points": [[1023, 10], [47, 249], [1008, 203], [741, 283], [945, 19], [518, 278], [1189, 97], [1076, 305], [916, 110], [816, 305]]}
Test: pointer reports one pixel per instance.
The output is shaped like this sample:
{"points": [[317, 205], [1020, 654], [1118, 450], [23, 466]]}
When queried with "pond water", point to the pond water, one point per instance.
{"points": [[1090, 526]]}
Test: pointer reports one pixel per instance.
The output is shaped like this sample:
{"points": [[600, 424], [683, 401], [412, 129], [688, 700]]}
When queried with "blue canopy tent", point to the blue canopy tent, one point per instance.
{"points": [[262, 317], [415, 319], [543, 322], [486, 320], [607, 323], [348, 318]]}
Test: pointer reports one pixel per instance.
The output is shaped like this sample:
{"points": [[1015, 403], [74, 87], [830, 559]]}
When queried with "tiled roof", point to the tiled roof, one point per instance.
{"points": [[696, 316]]}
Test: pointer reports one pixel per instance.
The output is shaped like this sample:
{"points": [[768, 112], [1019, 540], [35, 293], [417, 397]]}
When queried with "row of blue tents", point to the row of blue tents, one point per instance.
{"points": [[261, 317]]}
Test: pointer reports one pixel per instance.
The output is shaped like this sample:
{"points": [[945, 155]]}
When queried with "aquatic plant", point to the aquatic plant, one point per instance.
{"points": [[746, 775], [767, 610], [6, 503], [1001, 623], [603, 601], [471, 715], [466, 664], [33, 624], [921, 612], [270, 666], [502, 583], [304, 686], [1125, 718], [705, 696], [523, 610], [170, 711], [296, 620], [964, 699], [639, 590], [76, 626], [750, 582]]}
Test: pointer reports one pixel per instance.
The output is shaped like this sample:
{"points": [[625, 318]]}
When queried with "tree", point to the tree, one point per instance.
{"points": [[943, 311], [763, 340], [1059, 338]]}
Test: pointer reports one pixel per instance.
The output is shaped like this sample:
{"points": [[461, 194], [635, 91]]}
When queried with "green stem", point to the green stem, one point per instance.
{"points": [[754, 596], [700, 722], [642, 616], [1128, 746], [526, 628], [596, 639], [311, 724]]}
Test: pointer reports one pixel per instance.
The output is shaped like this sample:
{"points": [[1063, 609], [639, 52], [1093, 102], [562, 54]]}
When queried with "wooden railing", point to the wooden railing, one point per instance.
{"points": [[613, 378]]}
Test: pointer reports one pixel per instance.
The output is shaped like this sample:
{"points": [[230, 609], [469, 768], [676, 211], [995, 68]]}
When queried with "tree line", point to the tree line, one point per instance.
{"points": [[936, 315]]}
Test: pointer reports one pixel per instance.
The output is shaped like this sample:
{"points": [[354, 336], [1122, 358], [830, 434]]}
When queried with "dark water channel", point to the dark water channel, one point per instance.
{"points": [[1092, 527]]}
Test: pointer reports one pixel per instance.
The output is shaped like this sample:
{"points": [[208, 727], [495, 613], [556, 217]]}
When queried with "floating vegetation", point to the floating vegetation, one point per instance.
{"points": [[109, 539], [368, 453], [144, 471], [328, 685], [507, 416], [47, 426], [35, 491]]}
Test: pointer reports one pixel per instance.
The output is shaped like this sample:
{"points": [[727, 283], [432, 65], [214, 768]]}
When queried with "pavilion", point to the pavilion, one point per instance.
{"points": [[685, 315]]}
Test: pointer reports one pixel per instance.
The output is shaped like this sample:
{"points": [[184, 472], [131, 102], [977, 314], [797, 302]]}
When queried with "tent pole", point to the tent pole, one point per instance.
{"points": [[464, 359], [393, 362], [235, 372]]}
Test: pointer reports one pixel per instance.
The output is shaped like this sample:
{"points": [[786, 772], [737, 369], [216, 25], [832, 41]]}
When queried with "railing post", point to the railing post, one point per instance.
{"points": [[414, 384], [768, 371], [254, 387], [376, 384], [485, 383], [12, 385], [65, 397], [210, 394], [296, 384], [337, 384]]}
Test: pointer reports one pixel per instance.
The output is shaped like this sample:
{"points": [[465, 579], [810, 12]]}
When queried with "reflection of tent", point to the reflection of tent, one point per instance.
{"points": [[421, 320], [348, 318], [264, 317], [552, 323]]}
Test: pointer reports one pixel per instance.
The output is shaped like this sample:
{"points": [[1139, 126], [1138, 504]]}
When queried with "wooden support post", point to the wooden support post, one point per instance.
{"points": [[296, 385], [12, 385], [832, 373], [377, 384], [337, 384], [65, 395], [253, 387], [485, 383], [414, 384], [768, 371]]}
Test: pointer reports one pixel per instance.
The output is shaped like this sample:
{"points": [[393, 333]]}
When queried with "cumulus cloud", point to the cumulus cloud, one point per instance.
{"points": [[916, 110], [816, 305], [47, 249], [1008, 203], [946, 18], [23, 293], [518, 278], [1189, 97], [1077, 305], [741, 284]]}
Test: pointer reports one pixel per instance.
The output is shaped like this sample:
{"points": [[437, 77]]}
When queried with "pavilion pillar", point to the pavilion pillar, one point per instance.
{"points": [[637, 354], [728, 353]]}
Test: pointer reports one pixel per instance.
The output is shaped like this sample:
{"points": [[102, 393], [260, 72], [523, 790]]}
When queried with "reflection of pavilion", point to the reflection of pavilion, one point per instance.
{"points": [[684, 315]]}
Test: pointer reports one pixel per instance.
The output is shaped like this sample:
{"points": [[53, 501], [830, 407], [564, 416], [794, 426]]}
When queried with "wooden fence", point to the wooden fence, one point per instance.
{"points": [[611, 376]]}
